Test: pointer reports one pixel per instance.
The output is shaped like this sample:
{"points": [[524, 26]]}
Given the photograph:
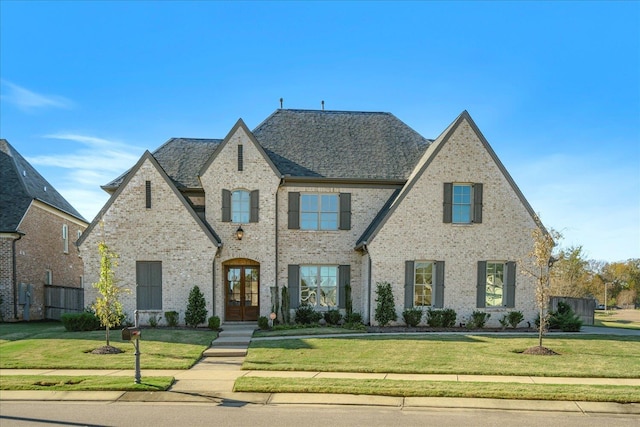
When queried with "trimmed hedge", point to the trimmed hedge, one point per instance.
{"points": [[76, 322]]}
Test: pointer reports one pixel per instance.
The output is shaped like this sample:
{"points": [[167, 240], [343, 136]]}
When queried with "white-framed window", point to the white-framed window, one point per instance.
{"points": [[424, 274], [65, 238], [48, 277], [240, 206], [319, 285], [462, 203], [495, 290], [319, 211]]}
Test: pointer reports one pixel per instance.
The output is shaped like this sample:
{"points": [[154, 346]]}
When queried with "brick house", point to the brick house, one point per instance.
{"points": [[38, 228], [315, 200]]}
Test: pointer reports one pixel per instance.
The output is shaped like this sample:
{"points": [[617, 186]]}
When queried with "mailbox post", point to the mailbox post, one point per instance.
{"points": [[133, 335]]}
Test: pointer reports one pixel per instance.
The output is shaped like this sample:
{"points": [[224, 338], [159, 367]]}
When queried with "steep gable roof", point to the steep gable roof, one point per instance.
{"points": [[239, 125], [340, 144], [384, 214], [20, 183], [211, 234]]}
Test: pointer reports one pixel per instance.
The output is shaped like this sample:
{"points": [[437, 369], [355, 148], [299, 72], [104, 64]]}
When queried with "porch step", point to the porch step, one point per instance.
{"points": [[227, 351]]}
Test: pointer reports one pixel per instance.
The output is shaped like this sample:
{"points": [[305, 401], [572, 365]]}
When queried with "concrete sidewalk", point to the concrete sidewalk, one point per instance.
{"points": [[211, 380]]}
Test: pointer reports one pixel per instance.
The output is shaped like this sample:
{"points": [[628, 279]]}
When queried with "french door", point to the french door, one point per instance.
{"points": [[242, 295]]}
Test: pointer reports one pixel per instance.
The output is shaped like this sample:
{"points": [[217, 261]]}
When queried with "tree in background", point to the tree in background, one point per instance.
{"points": [[570, 276], [107, 306]]}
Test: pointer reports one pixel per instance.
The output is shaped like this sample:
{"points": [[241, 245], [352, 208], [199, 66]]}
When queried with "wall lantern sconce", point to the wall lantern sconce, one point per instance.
{"points": [[239, 233]]}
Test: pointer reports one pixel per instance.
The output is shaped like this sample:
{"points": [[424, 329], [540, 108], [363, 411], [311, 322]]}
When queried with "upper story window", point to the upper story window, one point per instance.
{"points": [[65, 238], [319, 211], [462, 203], [240, 206]]}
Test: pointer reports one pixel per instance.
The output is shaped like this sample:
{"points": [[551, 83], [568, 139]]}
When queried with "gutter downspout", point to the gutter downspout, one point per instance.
{"points": [[15, 276], [367, 317]]}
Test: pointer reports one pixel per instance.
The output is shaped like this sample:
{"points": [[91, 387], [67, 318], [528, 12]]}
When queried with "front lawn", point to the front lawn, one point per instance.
{"points": [[580, 355], [47, 345]]}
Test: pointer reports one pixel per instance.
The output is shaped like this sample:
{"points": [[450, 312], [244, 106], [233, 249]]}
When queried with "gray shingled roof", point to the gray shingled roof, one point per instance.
{"points": [[310, 143], [20, 183], [181, 159], [340, 144]]}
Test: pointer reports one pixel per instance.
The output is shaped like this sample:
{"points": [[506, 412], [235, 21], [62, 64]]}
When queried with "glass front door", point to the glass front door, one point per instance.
{"points": [[242, 293]]}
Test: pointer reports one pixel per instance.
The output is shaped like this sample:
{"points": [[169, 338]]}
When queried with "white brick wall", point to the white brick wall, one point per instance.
{"points": [[416, 230]]}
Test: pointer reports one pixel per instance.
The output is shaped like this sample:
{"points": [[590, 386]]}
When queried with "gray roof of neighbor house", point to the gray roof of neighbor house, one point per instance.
{"points": [[308, 144], [20, 183]]}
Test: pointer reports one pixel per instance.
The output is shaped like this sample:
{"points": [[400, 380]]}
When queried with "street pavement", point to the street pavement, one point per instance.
{"points": [[213, 377]]}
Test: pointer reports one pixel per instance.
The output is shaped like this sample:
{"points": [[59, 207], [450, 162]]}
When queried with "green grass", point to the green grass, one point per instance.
{"points": [[593, 393], [609, 320], [47, 345], [83, 383], [580, 355]]}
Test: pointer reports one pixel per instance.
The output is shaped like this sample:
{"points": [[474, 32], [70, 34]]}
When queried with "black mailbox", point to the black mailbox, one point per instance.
{"points": [[129, 334]]}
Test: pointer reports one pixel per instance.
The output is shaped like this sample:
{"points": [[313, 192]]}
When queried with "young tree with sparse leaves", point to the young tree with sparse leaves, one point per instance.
{"points": [[107, 306]]}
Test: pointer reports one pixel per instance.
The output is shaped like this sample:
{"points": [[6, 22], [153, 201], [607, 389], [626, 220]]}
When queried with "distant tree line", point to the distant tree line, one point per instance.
{"points": [[573, 275]]}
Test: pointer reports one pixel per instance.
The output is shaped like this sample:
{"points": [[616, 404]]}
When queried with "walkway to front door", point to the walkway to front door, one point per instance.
{"points": [[242, 284]]}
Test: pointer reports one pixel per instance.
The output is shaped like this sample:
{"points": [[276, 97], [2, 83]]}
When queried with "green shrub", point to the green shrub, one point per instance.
{"points": [[348, 301], [353, 318], [564, 319], [286, 307], [213, 323], [478, 320], [196, 312], [445, 318], [412, 316], [305, 315], [76, 322], [514, 318], [333, 317], [153, 320], [386, 307], [263, 323], [172, 318]]}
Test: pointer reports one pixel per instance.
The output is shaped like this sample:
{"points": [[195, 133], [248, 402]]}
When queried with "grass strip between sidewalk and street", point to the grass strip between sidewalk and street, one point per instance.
{"points": [[83, 383], [399, 388]]}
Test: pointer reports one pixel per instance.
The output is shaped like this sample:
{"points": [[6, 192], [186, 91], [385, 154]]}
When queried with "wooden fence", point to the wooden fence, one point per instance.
{"points": [[62, 299], [583, 307]]}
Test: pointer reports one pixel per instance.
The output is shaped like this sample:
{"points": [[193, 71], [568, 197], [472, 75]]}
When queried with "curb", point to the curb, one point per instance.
{"points": [[242, 399]]}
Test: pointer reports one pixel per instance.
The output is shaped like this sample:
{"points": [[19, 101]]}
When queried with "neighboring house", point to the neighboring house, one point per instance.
{"points": [[322, 198], [38, 231]]}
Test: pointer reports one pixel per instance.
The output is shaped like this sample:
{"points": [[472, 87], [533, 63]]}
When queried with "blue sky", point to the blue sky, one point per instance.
{"points": [[86, 87]]}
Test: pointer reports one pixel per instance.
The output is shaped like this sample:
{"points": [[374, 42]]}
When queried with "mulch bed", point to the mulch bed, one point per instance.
{"points": [[107, 349]]}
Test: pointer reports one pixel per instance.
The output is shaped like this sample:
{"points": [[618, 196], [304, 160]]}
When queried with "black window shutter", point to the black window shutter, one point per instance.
{"points": [[294, 210], [511, 285], [344, 277], [477, 203], [254, 200], [226, 206], [447, 203], [148, 194], [345, 211], [482, 284], [438, 295], [409, 279], [240, 158], [294, 286]]}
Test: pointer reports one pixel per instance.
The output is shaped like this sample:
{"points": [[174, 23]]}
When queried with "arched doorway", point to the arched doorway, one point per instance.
{"points": [[242, 289]]}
